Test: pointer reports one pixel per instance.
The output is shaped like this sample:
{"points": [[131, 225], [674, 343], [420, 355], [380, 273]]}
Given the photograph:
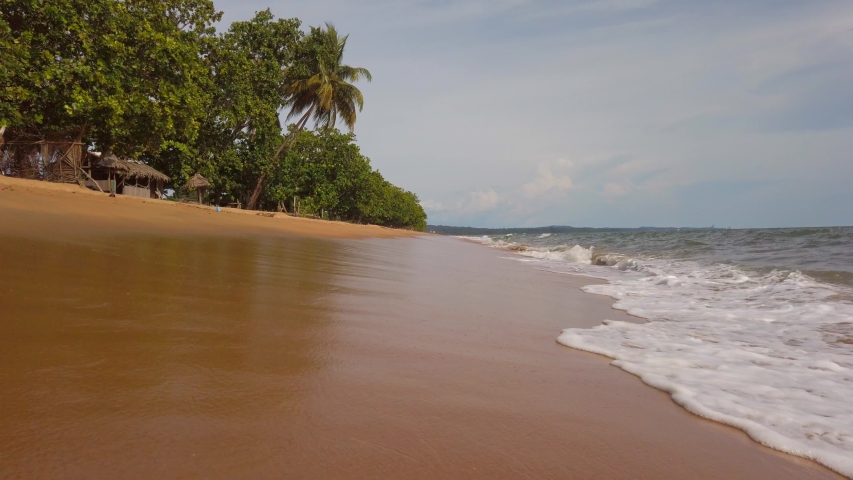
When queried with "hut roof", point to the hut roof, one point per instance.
{"points": [[135, 168], [108, 161], [130, 167], [198, 182]]}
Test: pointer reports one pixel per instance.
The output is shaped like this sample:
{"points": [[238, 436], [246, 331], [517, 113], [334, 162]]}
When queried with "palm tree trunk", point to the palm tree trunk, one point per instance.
{"points": [[252, 204]]}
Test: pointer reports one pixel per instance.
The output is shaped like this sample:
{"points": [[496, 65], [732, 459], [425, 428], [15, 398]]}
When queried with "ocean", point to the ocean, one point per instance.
{"points": [[752, 328]]}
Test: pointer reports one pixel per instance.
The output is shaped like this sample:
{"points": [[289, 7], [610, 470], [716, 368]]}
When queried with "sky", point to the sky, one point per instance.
{"points": [[603, 113]]}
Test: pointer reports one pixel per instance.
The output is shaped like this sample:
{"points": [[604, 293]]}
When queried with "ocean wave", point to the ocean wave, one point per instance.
{"points": [[771, 355], [563, 253], [766, 350]]}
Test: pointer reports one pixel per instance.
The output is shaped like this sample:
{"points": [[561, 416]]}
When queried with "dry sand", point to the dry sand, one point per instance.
{"points": [[70, 202], [146, 340]]}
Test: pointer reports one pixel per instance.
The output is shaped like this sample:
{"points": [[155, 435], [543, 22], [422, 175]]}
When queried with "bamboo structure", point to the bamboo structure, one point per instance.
{"points": [[49, 160], [55, 157]]}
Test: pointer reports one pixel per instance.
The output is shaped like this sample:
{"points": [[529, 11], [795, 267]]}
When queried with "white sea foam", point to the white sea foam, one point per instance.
{"points": [[484, 239], [768, 353], [562, 253], [575, 254]]}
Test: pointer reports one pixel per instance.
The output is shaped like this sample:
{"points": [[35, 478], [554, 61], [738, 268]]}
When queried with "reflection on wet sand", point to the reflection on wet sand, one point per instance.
{"points": [[154, 349]]}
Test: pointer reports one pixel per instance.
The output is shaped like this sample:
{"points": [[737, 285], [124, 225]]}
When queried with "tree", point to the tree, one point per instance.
{"points": [[318, 85], [241, 129], [13, 58], [389, 205], [327, 172], [128, 74]]}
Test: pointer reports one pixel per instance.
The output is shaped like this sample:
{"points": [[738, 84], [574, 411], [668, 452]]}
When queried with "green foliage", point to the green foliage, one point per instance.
{"points": [[326, 171], [392, 206], [240, 129], [14, 58], [129, 72], [319, 82]]}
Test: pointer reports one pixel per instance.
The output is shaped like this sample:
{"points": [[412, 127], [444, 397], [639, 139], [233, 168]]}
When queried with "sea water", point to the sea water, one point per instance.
{"points": [[751, 328]]}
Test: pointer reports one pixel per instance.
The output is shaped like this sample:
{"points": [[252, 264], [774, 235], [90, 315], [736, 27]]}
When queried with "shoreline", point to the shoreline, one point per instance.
{"points": [[593, 280], [138, 346]]}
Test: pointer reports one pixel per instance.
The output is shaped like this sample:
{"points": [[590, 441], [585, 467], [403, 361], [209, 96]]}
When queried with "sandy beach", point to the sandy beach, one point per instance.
{"points": [[56, 203], [145, 339]]}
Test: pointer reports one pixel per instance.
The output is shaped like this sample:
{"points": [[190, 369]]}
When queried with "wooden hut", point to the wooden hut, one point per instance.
{"points": [[132, 177], [54, 159], [109, 162], [200, 185]]}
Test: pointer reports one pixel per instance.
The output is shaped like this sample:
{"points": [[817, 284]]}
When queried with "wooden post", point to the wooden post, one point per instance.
{"points": [[93, 181]]}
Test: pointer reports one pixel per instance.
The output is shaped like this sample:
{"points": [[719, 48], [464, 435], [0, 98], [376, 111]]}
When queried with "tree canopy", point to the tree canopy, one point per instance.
{"points": [[126, 74], [318, 82], [154, 80], [324, 171]]}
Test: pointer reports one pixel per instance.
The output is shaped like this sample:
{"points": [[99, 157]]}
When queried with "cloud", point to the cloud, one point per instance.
{"points": [[479, 202], [431, 206], [615, 190], [550, 177], [546, 184]]}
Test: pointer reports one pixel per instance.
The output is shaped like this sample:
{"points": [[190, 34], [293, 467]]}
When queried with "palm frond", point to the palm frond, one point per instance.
{"points": [[354, 74], [321, 85], [349, 91]]}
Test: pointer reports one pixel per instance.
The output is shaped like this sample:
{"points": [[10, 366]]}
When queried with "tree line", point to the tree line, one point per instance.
{"points": [[155, 80]]}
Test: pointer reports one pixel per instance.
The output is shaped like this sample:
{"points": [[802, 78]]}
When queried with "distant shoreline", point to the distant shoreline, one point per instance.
{"points": [[450, 230], [556, 229]]}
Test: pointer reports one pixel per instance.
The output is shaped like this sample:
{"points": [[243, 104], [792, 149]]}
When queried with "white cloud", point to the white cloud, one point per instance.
{"points": [[432, 206], [479, 202], [616, 190], [550, 176]]}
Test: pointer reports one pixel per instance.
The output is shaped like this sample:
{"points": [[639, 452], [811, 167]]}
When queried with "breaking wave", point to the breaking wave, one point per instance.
{"points": [[765, 348]]}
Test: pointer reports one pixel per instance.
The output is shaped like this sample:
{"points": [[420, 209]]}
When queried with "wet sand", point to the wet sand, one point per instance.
{"points": [[268, 352]]}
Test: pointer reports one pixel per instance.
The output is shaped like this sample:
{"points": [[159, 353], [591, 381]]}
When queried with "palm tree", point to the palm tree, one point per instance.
{"points": [[318, 86]]}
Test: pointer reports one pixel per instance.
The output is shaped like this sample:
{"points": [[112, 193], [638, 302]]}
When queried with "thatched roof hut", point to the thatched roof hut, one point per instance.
{"points": [[135, 178], [197, 182], [200, 185], [137, 169], [108, 161], [129, 168]]}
